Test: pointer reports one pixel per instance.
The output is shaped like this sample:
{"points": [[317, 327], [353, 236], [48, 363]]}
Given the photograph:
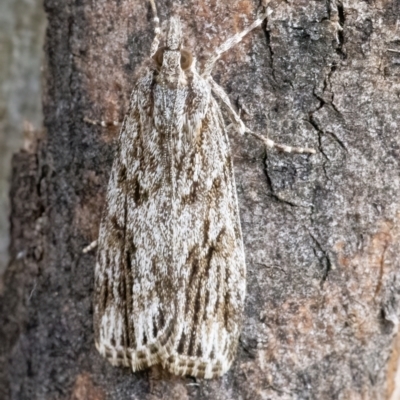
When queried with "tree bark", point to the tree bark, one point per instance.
{"points": [[321, 232]]}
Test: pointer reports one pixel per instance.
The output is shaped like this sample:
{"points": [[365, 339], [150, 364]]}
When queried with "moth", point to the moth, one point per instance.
{"points": [[170, 276]]}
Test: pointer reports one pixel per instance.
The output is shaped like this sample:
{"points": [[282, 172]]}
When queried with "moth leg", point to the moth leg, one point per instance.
{"points": [[157, 29], [241, 127], [232, 41], [101, 123], [90, 247]]}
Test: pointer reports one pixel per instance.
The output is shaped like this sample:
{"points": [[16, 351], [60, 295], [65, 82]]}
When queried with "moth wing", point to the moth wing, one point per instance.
{"points": [[134, 306], [210, 296]]}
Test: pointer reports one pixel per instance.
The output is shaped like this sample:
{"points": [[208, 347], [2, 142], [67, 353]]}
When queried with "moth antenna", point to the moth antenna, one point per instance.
{"points": [[157, 29]]}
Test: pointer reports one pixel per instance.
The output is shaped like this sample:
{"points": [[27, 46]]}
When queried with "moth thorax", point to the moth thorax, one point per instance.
{"points": [[171, 62]]}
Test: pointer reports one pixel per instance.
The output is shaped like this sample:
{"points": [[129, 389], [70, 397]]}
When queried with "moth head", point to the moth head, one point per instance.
{"points": [[171, 59]]}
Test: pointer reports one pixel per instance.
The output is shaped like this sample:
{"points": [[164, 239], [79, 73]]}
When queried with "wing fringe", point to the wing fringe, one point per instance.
{"points": [[164, 354]]}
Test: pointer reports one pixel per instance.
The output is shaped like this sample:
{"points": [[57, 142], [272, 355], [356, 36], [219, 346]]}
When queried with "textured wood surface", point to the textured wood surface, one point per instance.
{"points": [[321, 232]]}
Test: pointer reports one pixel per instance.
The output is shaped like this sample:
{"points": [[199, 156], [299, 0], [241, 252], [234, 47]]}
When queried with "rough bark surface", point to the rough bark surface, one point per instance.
{"points": [[321, 232], [22, 26]]}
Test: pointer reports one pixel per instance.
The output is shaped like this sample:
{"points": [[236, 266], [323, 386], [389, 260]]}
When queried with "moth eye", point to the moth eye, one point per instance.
{"points": [[158, 57], [186, 59]]}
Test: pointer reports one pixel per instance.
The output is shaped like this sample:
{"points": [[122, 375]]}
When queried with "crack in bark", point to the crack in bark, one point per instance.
{"points": [[273, 194], [324, 260], [339, 20], [269, 183], [332, 102], [268, 42], [70, 22], [339, 141]]}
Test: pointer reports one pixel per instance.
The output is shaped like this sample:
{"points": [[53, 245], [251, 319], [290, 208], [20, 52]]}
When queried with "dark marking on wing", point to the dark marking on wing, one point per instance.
{"points": [[104, 293], [161, 319], [190, 351], [122, 174], [122, 290], [181, 345], [136, 193], [115, 224], [207, 299], [205, 231], [227, 310], [217, 301], [155, 328], [212, 354], [153, 349]]}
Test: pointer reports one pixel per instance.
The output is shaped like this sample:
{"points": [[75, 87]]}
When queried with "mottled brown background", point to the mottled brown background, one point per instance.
{"points": [[321, 232]]}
